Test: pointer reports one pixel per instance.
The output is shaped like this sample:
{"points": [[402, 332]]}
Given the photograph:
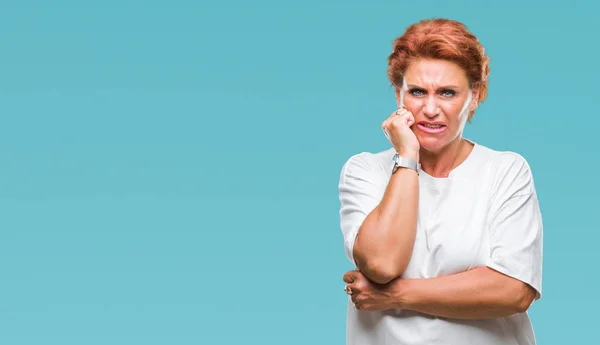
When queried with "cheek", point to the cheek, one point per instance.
{"points": [[450, 109], [413, 105], [451, 112]]}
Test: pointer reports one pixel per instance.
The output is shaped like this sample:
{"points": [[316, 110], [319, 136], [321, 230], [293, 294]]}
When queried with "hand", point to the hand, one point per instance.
{"points": [[398, 130], [369, 296]]}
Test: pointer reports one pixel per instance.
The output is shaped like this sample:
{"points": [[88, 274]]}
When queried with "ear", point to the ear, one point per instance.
{"points": [[474, 104], [474, 100]]}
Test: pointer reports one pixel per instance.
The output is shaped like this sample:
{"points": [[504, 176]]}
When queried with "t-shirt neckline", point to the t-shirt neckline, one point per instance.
{"points": [[456, 171]]}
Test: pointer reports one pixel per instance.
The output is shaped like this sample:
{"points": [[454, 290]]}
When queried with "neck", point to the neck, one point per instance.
{"points": [[440, 164]]}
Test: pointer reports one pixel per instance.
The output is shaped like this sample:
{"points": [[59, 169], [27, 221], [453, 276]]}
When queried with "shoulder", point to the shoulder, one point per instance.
{"points": [[509, 170], [504, 161], [368, 163]]}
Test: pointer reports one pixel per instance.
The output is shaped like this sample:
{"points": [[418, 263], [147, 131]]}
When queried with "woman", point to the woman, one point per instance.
{"points": [[446, 234]]}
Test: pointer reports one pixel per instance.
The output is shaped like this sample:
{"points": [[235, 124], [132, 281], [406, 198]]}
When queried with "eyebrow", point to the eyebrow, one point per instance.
{"points": [[412, 86]]}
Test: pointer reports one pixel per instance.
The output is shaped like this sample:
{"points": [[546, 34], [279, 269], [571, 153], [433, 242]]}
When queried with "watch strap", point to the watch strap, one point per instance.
{"points": [[404, 162]]}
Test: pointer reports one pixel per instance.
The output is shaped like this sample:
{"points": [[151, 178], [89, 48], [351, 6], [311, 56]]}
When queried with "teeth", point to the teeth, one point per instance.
{"points": [[433, 126]]}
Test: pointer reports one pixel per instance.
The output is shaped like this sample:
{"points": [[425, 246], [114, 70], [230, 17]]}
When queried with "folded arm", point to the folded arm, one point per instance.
{"points": [[379, 221], [479, 293], [506, 284]]}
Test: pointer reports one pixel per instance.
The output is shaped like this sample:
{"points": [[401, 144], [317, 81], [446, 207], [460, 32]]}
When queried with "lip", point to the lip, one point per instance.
{"points": [[422, 127]]}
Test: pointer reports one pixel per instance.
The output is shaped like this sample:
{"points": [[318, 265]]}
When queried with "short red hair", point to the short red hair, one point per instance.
{"points": [[442, 39]]}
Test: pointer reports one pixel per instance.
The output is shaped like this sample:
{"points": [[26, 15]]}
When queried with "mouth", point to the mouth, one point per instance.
{"points": [[432, 128]]}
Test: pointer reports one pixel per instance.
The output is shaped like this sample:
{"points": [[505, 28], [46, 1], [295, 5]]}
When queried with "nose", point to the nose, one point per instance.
{"points": [[430, 108]]}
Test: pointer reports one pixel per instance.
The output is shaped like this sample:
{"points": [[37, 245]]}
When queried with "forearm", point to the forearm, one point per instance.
{"points": [[385, 241], [475, 294]]}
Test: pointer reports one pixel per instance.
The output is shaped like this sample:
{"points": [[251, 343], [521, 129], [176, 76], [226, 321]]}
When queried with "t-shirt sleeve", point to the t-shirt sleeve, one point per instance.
{"points": [[516, 230], [360, 191]]}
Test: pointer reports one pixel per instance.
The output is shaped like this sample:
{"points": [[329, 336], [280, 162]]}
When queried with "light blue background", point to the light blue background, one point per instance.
{"points": [[169, 169]]}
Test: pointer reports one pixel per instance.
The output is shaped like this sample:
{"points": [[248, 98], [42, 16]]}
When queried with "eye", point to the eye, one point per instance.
{"points": [[448, 93], [417, 92]]}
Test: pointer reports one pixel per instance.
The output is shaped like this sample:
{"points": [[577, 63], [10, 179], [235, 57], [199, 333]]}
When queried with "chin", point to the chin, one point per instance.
{"points": [[432, 145]]}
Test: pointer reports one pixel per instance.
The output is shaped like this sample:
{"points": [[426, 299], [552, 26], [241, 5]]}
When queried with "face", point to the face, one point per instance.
{"points": [[437, 93]]}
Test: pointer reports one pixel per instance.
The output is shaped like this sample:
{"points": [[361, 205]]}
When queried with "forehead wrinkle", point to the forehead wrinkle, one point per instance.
{"points": [[441, 87], [431, 81], [430, 75]]}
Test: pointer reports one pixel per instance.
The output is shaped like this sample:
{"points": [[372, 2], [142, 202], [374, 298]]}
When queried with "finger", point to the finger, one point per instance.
{"points": [[411, 120], [354, 288], [394, 114], [401, 111], [399, 121], [384, 126], [386, 123], [348, 277]]}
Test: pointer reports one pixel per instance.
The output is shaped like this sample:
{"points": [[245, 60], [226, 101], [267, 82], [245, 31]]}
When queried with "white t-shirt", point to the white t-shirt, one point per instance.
{"points": [[486, 213]]}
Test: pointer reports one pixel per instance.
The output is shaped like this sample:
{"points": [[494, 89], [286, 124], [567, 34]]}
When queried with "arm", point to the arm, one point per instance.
{"points": [[508, 283], [476, 294], [378, 220], [511, 280], [479, 293], [385, 241]]}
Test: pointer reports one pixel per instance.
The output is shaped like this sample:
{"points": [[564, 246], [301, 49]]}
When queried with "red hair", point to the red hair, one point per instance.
{"points": [[442, 39]]}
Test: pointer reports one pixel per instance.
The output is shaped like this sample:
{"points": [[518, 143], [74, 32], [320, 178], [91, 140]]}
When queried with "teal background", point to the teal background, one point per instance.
{"points": [[169, 169]]}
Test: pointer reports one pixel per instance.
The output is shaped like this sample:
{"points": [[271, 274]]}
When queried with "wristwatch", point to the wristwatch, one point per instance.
{"points": [[402, 162]]}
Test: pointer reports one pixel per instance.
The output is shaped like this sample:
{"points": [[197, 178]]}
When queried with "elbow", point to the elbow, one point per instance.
{"points": [[524, 298], [380, 277], [521, 308], [380, 273], [381, 268]]}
